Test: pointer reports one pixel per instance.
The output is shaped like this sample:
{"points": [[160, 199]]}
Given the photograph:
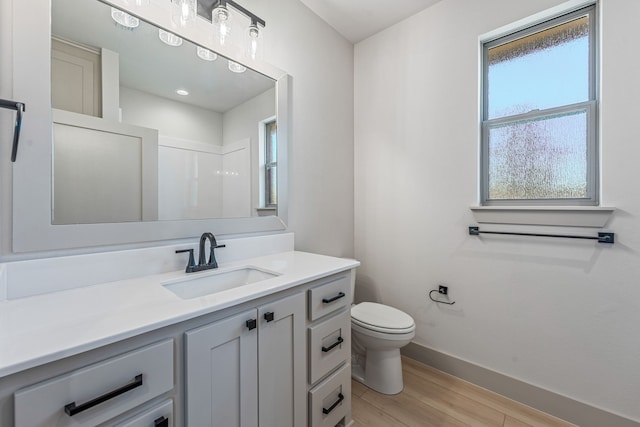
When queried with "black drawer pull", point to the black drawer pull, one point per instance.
{"points": [[330, 300], [332, 407], [332, 346], [71, 409], [268, 316], [161, 422], [252, 324]]}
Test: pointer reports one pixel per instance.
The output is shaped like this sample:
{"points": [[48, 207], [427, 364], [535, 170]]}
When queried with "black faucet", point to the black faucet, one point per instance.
{"points": [[202, 263]]}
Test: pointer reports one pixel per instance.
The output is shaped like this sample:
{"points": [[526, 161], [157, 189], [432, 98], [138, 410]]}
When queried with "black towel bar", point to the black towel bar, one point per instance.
{"points": [[601, 237]]}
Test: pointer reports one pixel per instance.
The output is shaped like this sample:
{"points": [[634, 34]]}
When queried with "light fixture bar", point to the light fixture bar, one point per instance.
{"points": [[254, 18]]}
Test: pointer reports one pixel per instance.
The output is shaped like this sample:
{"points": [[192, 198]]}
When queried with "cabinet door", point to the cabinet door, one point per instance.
{"points": [[282, 363], [221, 373]]}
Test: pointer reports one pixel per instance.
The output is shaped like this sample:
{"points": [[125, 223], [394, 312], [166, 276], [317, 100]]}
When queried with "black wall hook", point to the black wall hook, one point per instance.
{"points": [[20, 108]]}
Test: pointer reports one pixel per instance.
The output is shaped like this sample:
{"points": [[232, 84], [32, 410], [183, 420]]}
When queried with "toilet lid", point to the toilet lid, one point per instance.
{"points": [[379, 316]]}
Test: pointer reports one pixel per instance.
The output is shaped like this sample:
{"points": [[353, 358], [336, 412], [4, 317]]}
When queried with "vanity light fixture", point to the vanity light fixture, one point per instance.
{"points": [[124, 19], [236, 68], [169, 38], [183, 11], [205, 54], [221, 18]]}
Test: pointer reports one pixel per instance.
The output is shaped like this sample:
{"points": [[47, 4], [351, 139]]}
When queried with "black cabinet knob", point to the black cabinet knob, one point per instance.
{"points": [[268, 316], [252, 324], [161, 422]]}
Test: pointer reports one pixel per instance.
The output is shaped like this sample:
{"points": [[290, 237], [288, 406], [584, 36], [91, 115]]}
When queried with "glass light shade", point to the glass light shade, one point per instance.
{"points": [[140, 2], [124, 18], [169, 38], [221, 18], [183, 12], [236, 68], [205, 54], [253, 42]]}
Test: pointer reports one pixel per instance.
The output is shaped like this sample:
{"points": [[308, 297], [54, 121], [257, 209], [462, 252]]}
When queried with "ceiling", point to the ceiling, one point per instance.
{"points": [[358, 19]]}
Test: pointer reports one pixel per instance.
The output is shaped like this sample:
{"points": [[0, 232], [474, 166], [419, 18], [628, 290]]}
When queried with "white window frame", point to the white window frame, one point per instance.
{"points": [[590, 106], [262, 165]]}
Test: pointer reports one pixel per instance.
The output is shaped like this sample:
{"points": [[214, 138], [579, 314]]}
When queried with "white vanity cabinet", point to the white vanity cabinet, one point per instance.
{"points": [[248, 369]]}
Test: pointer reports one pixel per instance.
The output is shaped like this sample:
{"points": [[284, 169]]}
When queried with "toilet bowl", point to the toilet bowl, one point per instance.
{"points": [[377, 334]]}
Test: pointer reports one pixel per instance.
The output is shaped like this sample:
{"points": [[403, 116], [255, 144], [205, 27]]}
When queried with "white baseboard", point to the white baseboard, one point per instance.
{"points": [[547, 401]]}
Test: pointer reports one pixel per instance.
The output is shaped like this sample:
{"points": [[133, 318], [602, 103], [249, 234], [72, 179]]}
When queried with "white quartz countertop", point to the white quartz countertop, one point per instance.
{"points": [[44, 328]]}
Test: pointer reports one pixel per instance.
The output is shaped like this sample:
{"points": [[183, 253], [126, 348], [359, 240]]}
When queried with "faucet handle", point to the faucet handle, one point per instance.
{"points": [[212, 256], [192, 262]]}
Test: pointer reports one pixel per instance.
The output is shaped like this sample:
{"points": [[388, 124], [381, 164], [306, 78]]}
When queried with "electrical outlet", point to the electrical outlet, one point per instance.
{"points": [[444, 290]]}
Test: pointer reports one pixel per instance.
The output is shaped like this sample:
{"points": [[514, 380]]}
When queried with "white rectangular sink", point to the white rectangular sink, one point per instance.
{"points": [[206, 283]]}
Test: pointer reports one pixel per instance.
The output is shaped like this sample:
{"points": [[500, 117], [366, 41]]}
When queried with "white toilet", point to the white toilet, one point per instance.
{"points": [[377, 334]]}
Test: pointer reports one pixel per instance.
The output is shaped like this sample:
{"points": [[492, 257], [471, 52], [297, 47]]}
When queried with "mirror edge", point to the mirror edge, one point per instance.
{"points": [[32, 228]]}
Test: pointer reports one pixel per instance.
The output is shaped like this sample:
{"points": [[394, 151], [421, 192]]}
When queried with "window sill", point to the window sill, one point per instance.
{"points": [[267, 211], [569, 216]]}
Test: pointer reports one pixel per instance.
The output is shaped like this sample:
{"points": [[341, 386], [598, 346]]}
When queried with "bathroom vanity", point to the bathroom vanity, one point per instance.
{"points": [[270, 353]]}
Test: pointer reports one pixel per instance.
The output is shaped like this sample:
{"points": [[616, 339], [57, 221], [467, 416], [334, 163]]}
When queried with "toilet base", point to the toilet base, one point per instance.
{"points": [[382, 371]]}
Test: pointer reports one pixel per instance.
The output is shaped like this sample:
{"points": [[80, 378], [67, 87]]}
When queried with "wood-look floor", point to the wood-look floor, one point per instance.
{"points": [[432, 398]]}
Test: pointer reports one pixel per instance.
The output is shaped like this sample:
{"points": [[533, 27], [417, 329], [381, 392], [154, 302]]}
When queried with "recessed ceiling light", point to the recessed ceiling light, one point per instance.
{"points": [[169, 38], [237, 68], [205, 54], [182, 92], [124, 18]]}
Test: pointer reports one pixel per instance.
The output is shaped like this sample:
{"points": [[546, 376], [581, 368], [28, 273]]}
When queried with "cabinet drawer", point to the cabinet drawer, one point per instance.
{"points": [[158, 416], [105, 389], [329, 296], [330, 400], [329, 345]]}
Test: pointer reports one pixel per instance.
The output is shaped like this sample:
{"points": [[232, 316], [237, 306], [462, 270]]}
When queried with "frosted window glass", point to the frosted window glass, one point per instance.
{"points": [[542, 158], [543, 70]]}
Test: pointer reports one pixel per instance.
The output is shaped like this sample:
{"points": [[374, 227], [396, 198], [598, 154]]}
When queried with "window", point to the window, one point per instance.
{"points": [[270, 165], [539, 114]]}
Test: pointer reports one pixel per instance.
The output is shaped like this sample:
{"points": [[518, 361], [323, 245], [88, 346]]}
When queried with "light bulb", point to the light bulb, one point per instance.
{"points": [[236, 68], [253, 42], [221, 19], [169, 38], [124, 18], [183, 11], [205, 54]]}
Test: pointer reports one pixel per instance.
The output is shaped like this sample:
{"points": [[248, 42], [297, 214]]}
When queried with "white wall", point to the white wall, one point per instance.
{"points": [[558, 314], [171, 118], [320, 62]]}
